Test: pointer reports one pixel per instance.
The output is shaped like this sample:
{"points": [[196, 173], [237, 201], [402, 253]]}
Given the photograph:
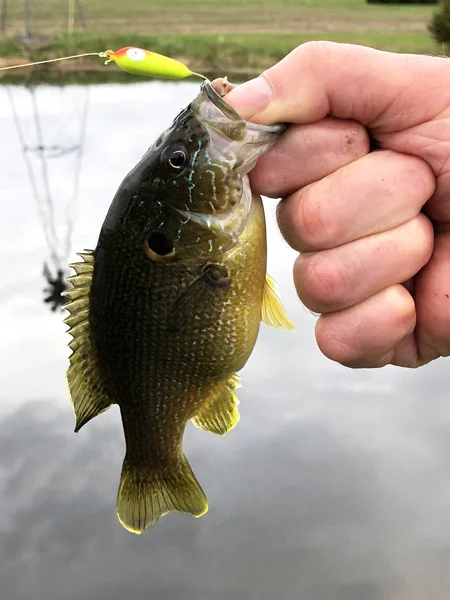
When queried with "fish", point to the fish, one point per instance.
{"points": [[166, 310]]}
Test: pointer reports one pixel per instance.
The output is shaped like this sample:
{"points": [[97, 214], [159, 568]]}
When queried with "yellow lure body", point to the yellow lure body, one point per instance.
{"points": [[143, 62]]}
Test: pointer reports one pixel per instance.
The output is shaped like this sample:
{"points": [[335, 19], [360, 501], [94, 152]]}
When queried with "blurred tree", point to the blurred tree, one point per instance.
{"points": [[402, 1], [440, 24]]}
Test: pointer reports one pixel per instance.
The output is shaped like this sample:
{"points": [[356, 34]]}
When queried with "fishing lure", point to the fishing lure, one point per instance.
{"points": [[143, 62], [132, 60]]}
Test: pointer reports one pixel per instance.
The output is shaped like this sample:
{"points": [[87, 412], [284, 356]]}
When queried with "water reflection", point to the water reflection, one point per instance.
{"points": [[50, 143], [335, 484], [56, 285]]}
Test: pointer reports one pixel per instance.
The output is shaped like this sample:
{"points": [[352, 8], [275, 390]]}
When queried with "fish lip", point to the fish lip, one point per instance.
{"points": [[219, 102], [230, 113]]}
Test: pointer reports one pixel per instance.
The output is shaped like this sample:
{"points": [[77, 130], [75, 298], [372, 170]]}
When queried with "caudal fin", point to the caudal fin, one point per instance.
{"points": [[146, 494]]}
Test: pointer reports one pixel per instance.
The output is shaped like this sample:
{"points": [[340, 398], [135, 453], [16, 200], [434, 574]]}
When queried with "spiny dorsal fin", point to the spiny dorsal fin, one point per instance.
{"points": [[220, 414], [87, 390], [273, 313]]}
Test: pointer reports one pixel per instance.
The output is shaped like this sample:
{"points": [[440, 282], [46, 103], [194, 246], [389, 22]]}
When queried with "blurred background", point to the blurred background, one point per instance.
{"points": [[232, 36], [336, 483]]}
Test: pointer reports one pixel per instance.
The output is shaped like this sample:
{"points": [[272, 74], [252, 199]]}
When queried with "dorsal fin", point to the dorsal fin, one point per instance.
{"points": [[272, 312], [86, 386]]}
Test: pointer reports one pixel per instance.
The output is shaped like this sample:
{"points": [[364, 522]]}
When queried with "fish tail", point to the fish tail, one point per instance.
{"points": [[147, 493]]}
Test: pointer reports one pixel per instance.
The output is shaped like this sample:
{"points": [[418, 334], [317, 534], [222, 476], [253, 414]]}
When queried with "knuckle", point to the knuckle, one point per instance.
{"points": [[402, 308], [315, 229], [320, 282], [427, 180], [266, 179], [311, 50], [331, 338], [420, 176], [424, 238], [355, 141], [417, 177]]}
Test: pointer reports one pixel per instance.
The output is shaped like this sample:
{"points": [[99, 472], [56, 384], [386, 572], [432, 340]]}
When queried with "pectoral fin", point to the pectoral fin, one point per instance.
{"points": [[220, 414], [273, 313], [214, 280]]}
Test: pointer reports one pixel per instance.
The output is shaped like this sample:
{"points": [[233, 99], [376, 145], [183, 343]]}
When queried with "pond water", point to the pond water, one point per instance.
{"points": [[335, 484]]}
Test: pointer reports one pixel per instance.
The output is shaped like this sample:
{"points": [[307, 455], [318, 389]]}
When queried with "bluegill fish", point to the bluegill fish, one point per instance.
{"points": [[167, 309]]}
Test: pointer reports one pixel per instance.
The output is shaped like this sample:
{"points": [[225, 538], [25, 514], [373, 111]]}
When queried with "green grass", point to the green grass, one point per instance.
{"points": [[219, 36], [215, 16]]}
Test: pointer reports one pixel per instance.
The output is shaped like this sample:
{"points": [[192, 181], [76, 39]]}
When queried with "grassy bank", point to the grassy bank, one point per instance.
{"points": [[215, 37], [210, 54]]}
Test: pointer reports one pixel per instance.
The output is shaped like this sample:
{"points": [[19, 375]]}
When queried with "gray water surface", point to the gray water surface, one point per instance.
{"points": [[334, 486]]}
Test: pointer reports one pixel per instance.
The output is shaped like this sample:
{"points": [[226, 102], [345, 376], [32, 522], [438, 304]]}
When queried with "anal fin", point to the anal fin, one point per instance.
{"points": [[220, 413], [273, 313]]}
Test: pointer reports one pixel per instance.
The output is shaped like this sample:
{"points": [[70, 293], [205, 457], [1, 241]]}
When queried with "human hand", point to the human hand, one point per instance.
{"points": [[373, 228]]}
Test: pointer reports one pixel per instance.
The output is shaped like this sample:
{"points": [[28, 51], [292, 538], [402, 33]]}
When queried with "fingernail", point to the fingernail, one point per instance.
{"points": [[251, 97]]}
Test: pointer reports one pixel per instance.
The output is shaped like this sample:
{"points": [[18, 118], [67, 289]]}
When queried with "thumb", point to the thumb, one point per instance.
{"points": [[379, 89]]}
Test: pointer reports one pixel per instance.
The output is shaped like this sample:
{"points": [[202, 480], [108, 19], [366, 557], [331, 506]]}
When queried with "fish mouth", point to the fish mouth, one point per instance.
{"points": [[227, 110], [231, 147], [239, 141]]}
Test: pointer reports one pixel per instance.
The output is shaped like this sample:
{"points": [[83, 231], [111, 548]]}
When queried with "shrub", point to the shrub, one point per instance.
{"points": [[401, 1], [440, 24]]}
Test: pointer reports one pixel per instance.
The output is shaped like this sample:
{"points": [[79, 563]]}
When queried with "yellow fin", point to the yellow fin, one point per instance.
{"points": [[220, 414], [146, 494], [87, 390], [273, 313]]}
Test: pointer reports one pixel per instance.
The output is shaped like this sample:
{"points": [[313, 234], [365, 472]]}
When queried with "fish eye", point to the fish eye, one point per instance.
{"points": [[175, 158]]}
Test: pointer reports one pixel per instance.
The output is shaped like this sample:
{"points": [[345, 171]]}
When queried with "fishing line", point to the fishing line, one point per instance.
{"points": [[132, 60], [51, 60]]}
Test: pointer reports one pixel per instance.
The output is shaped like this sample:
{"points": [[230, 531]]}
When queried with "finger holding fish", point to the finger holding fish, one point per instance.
{"points": [[362, 198], [369, 334], [334, 279], [305, 154]]}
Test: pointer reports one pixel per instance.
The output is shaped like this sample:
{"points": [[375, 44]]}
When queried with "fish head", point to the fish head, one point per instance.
{"points": [[191, 188]]}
